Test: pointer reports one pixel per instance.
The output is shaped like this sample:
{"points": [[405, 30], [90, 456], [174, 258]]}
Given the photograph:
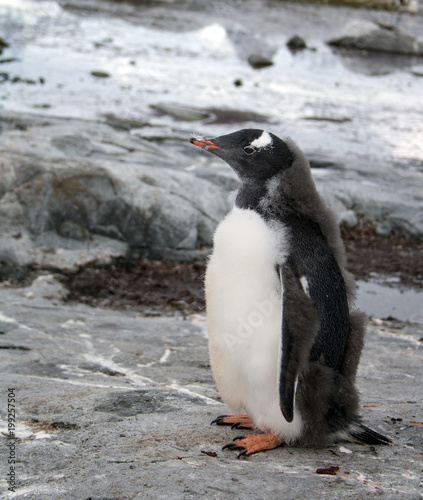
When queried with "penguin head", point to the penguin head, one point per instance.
{"points": [[254, 155]]}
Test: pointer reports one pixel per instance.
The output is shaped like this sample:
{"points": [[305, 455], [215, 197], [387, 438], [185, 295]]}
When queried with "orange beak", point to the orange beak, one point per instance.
{"points": [[202, 143]]}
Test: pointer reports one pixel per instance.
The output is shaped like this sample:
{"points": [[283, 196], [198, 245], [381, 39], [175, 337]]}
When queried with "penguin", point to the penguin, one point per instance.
{"points": [[284, 339]]}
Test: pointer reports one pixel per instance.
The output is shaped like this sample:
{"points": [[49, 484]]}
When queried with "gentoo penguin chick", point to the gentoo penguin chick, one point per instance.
{"points": [[284, 342]]}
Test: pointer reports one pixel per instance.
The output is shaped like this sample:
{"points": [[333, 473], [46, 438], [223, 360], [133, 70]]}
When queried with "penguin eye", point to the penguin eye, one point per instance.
{"points": [[249, 150]]}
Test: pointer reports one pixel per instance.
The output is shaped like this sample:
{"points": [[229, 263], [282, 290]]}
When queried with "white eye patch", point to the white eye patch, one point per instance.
{"points": [[262, 141]]}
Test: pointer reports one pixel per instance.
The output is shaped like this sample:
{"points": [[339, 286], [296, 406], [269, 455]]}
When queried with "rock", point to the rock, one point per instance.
{"points": [[112, 404], [238, 82], [349, 218], [73, 145], [100, 74], [157, 133], [383, 228], [296, 43], [73, 192], [46, 287], [3, 45], [69, 210], [367, 35], [351, 184], [258, 61], [251, 46], [144, 401], [122, 123], [227, 116], [417, 70], [180, 113]]}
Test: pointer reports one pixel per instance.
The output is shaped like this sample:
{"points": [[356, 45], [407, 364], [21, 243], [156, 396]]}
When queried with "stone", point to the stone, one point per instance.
{"points": [[180, 113], [251, 46], [370, 36], [70, 206], [417, 70], [3, 45], [365, 187], [111, 404], [74, 192], [100, 74], [47, 287], [259, 61], [123, 123], [349, 218], [296, 43]]}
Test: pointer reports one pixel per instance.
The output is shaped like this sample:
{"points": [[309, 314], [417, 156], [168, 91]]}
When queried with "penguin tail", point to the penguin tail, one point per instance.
{"points": [[359, 433]]}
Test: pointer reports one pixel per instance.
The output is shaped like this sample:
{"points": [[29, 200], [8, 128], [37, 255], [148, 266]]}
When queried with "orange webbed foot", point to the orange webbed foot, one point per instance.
{"points": [[254, 443], [236, 421]]}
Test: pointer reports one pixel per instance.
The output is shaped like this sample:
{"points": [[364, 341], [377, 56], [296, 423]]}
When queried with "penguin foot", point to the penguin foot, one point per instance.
{"points": [[236, 421], [254, 443]]}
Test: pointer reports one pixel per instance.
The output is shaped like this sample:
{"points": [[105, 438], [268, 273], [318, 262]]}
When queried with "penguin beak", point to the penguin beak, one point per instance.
{"points": [[203, 143]]}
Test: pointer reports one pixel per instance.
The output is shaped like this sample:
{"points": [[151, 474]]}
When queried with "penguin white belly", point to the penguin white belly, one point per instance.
{"points": [[244, 313]]}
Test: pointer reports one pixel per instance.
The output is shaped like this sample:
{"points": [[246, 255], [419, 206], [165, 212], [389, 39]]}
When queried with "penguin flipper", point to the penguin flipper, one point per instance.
{"points": [[300, 323]]}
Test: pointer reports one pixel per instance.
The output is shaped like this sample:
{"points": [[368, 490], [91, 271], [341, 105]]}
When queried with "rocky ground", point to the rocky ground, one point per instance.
{"points": [[154, 287], [113, 404], [107, 215]]}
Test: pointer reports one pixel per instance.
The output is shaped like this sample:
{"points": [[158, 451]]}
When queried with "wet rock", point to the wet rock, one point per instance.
{"points": [[296, 43], [332, 119], [258, 61], [158, 133], [73, 192], [9, 60], [47, 287], [69, 229], [417, 70], [28, 81], [3, 45], [127, 404], [383, 228], [85, 434], [100, 74], [367, 35], [73, 145], [366, 189], [122, 123], [349, 218], [251, 46], [228, 116], [68, 210], [180, 113], [10, 268]]}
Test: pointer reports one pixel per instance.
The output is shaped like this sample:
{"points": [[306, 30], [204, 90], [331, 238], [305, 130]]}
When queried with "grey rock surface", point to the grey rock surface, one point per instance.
{"points": [[75, 191], [114, 405], [367, 35], [72, 192]]}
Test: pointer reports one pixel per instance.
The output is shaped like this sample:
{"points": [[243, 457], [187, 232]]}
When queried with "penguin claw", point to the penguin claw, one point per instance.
{"points": [[240, 425], [219, 420], [242, 453], [235, 421], [253, 443], [232, 447]]}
